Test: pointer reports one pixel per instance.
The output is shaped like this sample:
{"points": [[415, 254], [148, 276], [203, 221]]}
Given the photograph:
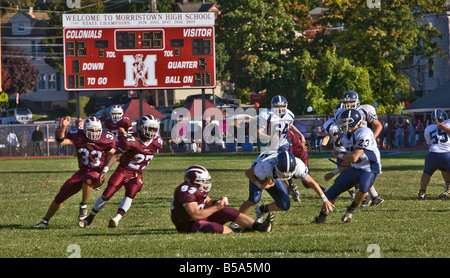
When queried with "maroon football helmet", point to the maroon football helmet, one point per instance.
{"points": [[198, 175]]}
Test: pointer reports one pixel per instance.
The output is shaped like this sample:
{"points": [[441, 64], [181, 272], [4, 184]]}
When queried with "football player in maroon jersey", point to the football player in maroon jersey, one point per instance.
{"points": [[134, 151], [117, 124], [93, 148], [192, 210]]}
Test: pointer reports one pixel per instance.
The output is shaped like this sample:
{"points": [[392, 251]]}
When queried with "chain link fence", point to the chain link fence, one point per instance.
{"points": [[17, 141]]}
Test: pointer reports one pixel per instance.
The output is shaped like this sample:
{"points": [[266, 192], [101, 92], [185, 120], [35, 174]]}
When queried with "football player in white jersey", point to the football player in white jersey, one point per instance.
{"points": [[437, 136], [364, 158], [274, 123], [268, 172], [350, 99], [273, 126], [332, 132]]}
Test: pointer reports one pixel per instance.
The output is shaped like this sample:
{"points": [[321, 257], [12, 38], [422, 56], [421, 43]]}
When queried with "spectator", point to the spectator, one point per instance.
{"points": [[23, 143], [412, 134], [420, 139], [400, 133], [382, 138], [37, 138], [12, 141], [61, 148]]}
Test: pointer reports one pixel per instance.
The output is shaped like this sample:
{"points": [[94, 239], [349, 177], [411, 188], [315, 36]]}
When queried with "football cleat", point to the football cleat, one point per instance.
{"points": [[444, 194], [259, 214], [83, 223], [376, 201], [422, 195], [236, 228], [83, 212], [348, 215], [267, 225], [113, 223], [320, 219], [293, 190], [41, 224]]}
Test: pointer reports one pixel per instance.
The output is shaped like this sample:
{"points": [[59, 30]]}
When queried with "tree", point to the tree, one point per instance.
{"points": [[260, 38], [379, 39], [22, 75], [268, 48]]}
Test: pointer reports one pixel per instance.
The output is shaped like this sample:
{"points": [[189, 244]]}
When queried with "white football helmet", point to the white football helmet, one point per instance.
{"points": [[200, 176], [93, 128], [148, 126], [116, 113]]}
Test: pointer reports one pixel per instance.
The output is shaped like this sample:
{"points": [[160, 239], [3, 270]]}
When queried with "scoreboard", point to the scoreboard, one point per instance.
{"points": [[139, 51]]}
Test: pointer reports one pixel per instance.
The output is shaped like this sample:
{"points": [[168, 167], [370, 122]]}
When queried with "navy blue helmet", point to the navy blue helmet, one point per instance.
{"points": [[285, 166], [438, 115], [279, 105], [338, 109], [349, 119], [351, 100]]}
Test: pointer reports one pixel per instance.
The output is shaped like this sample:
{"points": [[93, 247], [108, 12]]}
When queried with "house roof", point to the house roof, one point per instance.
{"points": [[437, 98], [194, 7], [37, 19], [132, 110]]}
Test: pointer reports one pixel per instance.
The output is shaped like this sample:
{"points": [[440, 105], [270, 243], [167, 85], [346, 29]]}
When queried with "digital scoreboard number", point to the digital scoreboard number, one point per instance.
{"points": [[139, 51]]}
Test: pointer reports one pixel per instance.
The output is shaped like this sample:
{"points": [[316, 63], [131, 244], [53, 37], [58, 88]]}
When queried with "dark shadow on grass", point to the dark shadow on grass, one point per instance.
{"points": [[126, 232], [38, 172]]}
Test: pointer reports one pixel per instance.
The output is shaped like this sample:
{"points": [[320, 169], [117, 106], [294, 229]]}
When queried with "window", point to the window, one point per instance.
{"points": [[46, 82], [21, 27], [41, 82], [52, 81]]}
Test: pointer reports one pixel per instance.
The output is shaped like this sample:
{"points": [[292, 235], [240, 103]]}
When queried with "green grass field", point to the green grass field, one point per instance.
{"points": [[402, 227]]}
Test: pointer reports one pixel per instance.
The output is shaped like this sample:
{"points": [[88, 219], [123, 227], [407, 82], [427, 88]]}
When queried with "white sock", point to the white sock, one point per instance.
{"points": [[99, 204], [125, 204], [373, 193]]}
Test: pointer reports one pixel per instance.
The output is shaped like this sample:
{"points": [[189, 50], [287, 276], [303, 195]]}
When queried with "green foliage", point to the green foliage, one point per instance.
{"points": [[402, 227], [86, 107], [265, 51]]}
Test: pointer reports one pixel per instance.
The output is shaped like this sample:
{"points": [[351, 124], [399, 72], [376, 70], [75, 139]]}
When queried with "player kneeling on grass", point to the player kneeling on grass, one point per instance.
{"points": [[134, 151], [364, 158], [93, 148], [192, 210]]}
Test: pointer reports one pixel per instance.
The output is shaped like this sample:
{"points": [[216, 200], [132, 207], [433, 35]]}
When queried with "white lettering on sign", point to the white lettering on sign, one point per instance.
{"points": [[197, 32], [182, 65], [93, 66], [137, 68], [172, 80], [188, 20], [84, 34]]}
